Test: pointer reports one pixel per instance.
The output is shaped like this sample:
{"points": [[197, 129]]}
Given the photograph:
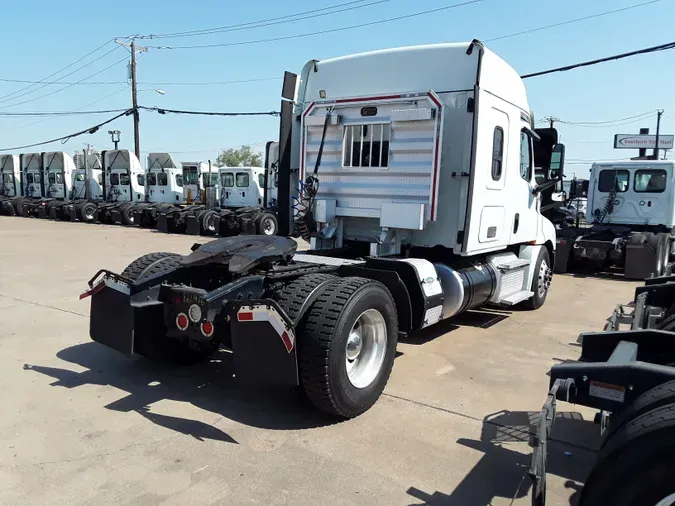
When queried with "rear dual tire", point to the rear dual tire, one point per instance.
{"points": [[347, 345]]}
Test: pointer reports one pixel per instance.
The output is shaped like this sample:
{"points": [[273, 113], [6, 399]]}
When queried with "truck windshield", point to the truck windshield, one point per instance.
{"points": [[114, 179], [152, 179], [124, 179], [261, 180], [141, 179], [79, 177], [162, 179], [613, 179], [650, 181], [190, 175], [227, 180], [8, 178], [179, 180]]}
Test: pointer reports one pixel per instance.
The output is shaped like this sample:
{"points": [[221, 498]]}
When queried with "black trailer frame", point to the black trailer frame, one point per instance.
{"points": [[615, 368]]}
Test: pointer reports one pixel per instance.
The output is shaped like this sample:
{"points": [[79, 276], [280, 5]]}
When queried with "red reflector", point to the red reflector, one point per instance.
{"points": [[245, 317], [287, 341], [182, 321], [93, 290], [207, 329], [177, 300]]}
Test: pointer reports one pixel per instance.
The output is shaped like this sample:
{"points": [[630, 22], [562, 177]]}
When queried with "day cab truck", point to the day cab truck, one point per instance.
{"points": [[163, 189], [630, 216], [10, 184], [412, 171], [232, 202], [627, 373], [123, 187]]}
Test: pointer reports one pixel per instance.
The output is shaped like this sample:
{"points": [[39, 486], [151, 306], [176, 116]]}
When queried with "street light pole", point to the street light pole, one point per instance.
{"points": [[115, 137]]}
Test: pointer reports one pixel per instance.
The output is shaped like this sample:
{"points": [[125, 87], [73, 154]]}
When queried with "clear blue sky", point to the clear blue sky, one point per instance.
{"points": [[39, 38]]}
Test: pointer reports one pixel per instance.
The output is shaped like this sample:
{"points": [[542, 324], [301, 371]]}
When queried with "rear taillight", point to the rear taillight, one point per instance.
{"points": [[207, 329], [182, 321]]}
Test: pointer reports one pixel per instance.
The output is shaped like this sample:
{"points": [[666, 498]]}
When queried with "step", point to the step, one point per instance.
{"points": [[516, 297], [512, 265]]}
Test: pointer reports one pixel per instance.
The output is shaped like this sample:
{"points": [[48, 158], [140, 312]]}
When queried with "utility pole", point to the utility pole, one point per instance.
{"points": [[658, 127], [134, 102], [133, 48]]}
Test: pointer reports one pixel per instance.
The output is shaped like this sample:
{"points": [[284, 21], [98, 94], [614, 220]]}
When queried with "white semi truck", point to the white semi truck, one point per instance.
{"points": [[630, 212], [418, 196], [10, 184]]}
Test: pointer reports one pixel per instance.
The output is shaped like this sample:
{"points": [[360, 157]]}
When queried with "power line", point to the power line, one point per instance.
{"points": [[653, 49], [571, 21], [290, 18], [162, 110], [66, 87], [74, 110], [331, 30], [66, 138], [58, 113], [59, 71], [646, 113], [6, 99], [147, 83]]}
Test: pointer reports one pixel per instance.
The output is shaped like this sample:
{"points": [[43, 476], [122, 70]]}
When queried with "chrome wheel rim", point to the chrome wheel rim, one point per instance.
{"points": [[268, 226], [211, 224], [667, 501], [89, 214], [366, 348], [543, 278]]}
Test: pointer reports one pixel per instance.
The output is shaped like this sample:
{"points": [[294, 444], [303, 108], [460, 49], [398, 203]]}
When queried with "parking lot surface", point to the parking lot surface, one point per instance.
{"points": [[81, 424]]}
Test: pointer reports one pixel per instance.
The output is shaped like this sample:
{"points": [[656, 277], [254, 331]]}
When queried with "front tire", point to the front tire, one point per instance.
{"points": [[347, 346], [541, 281]]}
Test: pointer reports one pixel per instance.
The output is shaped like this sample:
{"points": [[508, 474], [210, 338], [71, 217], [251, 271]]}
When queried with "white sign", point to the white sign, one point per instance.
{"points": [[635, 141]]}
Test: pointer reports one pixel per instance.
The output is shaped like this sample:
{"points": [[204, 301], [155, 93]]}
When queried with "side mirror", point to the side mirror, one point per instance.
{"points": [[557, 162]]}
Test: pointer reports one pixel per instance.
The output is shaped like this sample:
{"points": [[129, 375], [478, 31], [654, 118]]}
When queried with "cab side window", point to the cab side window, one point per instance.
{"points": [[525, 157]]}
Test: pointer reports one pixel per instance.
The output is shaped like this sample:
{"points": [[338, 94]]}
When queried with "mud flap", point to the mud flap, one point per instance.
{"points": [[562, 255], [263, 343], [163, 223], [192, 224], [116, 332]]}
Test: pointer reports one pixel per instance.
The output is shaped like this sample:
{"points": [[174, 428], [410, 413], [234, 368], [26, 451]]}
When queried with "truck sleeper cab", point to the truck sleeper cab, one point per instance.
{"points": [[418, 196], [631, 211]]}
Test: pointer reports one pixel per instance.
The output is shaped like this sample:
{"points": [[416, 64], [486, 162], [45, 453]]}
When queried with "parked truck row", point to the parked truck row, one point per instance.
{"points": [[113, 188]]}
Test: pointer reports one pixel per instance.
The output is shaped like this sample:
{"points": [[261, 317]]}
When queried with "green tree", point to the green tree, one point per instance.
{"points": [[242, 157]]}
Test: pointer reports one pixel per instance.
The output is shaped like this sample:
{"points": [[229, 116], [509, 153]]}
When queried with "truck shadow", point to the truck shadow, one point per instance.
{"points": [[209, 386], [483, 318], [502, 470]]}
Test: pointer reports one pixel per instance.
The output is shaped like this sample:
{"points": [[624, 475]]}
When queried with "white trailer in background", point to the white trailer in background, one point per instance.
{"points": [[10, 184], [420, 202]]}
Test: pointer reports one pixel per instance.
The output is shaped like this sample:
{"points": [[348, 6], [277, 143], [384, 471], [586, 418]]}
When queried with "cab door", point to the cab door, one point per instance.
{"points": [[524, 219]]}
